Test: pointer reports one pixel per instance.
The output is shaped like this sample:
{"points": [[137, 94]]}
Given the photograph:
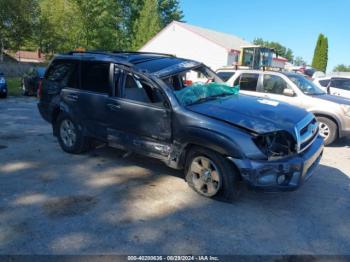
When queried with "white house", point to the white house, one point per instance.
{"points": [[212, 48]]}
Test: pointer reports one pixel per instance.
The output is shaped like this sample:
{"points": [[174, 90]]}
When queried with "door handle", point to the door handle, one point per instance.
{"points": [[113, 107], [72, 97]]}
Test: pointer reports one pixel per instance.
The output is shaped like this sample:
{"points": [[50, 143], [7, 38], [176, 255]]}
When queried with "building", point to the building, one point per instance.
{"points": [[212, 48], [26, 56]]}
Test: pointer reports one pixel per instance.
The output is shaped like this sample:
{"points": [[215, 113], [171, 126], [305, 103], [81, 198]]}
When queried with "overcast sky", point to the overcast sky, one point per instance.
{"points": [[295, 24]]}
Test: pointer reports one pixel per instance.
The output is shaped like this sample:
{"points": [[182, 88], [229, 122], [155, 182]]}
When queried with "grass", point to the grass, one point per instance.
{"points": [[14, 86]]}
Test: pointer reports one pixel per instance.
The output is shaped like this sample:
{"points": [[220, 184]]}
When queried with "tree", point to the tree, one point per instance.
{"points": [[16, 22], [99, 23], [147, 24], [342, 68], [299, 61], [59, 27], [320, 58], [280, 49], [62, 25], [169, 11]]}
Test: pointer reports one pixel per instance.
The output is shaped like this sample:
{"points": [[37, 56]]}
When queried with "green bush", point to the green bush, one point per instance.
{"points": [[14, 86]]}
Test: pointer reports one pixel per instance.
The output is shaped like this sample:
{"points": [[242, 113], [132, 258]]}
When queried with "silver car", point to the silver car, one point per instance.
{"points": [[332, 112]]}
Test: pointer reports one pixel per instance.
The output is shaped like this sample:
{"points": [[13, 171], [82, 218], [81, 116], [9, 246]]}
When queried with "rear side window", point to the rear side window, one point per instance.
{"points": [[95, 77], [225, 75], [60, 72], [273, 84], [248, 82], [324, 83], [341, 83]]}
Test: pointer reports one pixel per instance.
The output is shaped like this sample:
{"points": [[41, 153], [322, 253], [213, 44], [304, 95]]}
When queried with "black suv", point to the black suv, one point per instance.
{"points": [[179, 111]]}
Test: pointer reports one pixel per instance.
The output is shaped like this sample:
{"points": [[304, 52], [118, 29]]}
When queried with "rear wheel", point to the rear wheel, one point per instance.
{"points": [[328, 130], [70, 135], [211, 175]]}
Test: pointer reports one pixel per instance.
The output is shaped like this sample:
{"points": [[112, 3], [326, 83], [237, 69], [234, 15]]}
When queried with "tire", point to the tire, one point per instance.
{"points": [[70, 135], [225, 182], [328, 130]]}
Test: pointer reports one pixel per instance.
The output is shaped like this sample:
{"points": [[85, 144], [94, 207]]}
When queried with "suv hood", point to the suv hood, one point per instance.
{"points": [[335, 99], [258, 115]]}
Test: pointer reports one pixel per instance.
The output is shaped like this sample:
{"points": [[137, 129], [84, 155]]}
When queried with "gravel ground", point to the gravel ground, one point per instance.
{"points": [[101, 203]]}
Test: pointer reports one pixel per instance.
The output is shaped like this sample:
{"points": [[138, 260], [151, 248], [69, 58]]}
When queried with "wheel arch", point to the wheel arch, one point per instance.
{"points": [[187, 147], [330, 117]]}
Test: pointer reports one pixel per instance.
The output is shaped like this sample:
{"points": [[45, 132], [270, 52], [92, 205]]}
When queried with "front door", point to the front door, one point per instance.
{"points": [[139, 120], [275, 87]]}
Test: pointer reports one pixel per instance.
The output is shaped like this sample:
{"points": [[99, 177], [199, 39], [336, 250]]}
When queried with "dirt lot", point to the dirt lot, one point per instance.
{"points": [[100, 203]]}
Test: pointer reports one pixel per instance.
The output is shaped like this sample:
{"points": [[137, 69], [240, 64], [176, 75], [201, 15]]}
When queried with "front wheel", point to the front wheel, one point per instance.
{"points": [[211, 175], [328, 130], [70, 135]]}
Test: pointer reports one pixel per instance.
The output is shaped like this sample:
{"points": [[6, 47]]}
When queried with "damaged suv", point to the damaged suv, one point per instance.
{"points": [[179, 111]]}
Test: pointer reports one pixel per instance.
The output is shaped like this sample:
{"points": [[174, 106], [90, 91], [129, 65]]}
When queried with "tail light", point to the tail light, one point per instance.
{"points": [[40, 88]]}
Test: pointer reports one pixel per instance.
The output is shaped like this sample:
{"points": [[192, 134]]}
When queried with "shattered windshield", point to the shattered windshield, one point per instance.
{"points": [[197, 85], [306, 86]]}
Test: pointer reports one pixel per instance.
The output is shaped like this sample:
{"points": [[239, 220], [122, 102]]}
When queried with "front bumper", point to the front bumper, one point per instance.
{"points": [[281, 175]]}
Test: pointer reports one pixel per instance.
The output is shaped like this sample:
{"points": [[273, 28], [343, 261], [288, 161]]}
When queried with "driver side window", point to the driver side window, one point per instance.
{"points": [[138, 89], [273, 84]]}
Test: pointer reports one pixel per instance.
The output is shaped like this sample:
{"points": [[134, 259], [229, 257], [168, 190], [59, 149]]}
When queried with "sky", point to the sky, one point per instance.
{"points": [[295, 24]]}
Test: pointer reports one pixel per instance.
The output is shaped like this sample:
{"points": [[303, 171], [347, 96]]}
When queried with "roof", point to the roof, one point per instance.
{"points": [[228, 41], [153, 63], [28, 56]]}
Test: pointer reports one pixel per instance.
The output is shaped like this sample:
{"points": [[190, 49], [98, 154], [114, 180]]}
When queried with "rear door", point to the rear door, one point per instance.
{"points": [[139, 119], [248, 83], [95, 88]]}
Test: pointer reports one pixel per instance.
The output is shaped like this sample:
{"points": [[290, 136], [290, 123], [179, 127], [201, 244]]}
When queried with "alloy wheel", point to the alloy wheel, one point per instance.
{"points": [[205, 176], [68, 133], [324, 130]]}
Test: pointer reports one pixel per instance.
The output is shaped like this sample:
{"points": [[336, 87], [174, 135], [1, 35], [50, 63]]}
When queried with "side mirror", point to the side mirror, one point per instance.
{"points": [[288, 92]]}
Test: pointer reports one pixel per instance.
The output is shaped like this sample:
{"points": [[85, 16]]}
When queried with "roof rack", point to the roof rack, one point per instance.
{"points": [[141, 53], [116, 52], [101, 52]]}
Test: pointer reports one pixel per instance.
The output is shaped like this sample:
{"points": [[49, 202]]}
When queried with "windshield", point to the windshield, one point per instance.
{"points": [[305, 85], [197, 85], [224, 75]]}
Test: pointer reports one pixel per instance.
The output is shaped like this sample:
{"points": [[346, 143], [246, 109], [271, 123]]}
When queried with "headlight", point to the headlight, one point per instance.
{"points": [[276, 145], [346, 109], [2, 80]]}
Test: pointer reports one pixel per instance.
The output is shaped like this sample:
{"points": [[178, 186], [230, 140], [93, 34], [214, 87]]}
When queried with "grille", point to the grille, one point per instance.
{"points": [[306, 132]]}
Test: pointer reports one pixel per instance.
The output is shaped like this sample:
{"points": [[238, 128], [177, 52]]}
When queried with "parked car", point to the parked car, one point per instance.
{"points": [[332, 113], [181, 112], [3, 86], [338, 86], [31, 80]]}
